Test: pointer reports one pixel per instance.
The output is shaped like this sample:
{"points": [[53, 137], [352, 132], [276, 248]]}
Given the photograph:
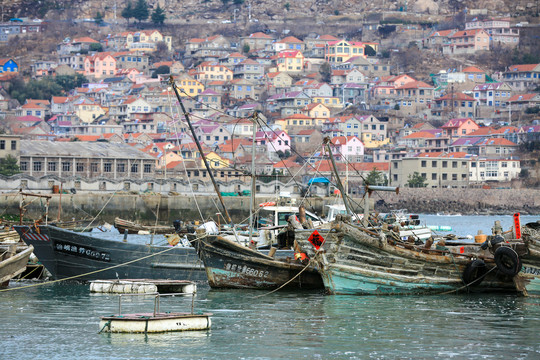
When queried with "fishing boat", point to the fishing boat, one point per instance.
{"points": [[13, 263], [362, 258], [136, 228], [84, 256], [232, 265], [355, 260], [528, 278]]}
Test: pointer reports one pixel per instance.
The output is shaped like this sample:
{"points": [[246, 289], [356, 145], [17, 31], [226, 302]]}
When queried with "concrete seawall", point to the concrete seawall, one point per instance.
{"points": [[145, 207]]}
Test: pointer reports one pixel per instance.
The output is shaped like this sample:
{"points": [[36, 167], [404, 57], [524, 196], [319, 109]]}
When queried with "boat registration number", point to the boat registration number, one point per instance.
{"points": [[82, 251], [246, 270]]}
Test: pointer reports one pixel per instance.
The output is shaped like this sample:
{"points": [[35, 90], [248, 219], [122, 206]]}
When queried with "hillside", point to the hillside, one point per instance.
{"points": [[267, 10]]}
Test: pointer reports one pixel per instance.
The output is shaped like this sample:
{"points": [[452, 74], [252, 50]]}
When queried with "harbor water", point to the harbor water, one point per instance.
{"points": [[60, 321]]}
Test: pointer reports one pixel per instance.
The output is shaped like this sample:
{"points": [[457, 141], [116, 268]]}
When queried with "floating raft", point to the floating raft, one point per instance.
{"points": [[154, 323], [142, 286]]}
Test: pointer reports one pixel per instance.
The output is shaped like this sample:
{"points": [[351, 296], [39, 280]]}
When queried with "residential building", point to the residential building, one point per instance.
{"points": [[290, 61], [484, 169], [439, 169], [467, 42], [8, 66], [456, 128], [524, 77], [10, 145], [499, 30], [100, 65], [342, 50], [257, 41]]}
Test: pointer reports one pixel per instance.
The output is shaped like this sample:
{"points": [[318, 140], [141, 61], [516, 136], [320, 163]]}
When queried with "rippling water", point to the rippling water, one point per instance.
{"points": [[60, 321]]}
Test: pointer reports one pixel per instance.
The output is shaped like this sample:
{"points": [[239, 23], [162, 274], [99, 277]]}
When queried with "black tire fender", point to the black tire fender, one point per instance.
{"points": [[474, 272], [507, 260]]}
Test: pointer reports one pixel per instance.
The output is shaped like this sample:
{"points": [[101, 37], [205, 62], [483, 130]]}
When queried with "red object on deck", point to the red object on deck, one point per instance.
{"points": [[517, 226]]}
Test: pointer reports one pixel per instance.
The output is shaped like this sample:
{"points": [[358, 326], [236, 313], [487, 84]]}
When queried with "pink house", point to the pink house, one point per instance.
{"points": [[459, 127], [275, 141], [348, 148], [100, 65]]}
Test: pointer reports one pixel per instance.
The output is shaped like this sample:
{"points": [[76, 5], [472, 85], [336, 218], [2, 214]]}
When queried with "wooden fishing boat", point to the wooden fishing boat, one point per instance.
{"points": [[356, 260], [135, 228], [13, 263], [67, 254], [231, 265], [528, 278]]}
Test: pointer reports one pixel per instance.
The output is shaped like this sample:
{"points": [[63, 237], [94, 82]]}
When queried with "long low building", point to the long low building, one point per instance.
{"points": [[85, 159]]}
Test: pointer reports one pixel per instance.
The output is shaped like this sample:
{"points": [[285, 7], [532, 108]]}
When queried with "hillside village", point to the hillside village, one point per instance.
{"points": [[465, 126]]}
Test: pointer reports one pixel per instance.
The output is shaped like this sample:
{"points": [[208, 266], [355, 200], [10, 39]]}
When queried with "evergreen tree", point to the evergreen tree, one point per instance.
{"points": [[127, 13], [98, 19], [416, 180], [326, 72], [158, 16], [140, 12], [8, 166], [376, 178]]}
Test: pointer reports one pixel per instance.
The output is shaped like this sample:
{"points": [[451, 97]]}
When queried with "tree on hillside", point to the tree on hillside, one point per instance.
{"points": [[326, 72], [98, 19], [44, 88], [369, 51], [158, 16], [8, 166], [140, 12], [127, 13], [376, 178], [163, 69], [416, 180]]}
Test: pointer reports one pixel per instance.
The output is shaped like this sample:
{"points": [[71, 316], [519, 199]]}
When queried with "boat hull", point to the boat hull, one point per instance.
{"points": [[352, 261], [154, 323], [68, 254], [15, 265], [230, 265]]}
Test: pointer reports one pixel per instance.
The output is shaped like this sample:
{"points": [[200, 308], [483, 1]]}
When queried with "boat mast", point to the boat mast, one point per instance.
{"points": [[216, 188], [327, 142], [252, 202]]}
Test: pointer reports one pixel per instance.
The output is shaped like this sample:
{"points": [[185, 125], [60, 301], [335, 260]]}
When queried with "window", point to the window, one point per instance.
{"points": [[433, 176], [454, 176], [37, 166], [120, 168], [454, 164], [80, 167], [66, 166], [24, 166], [445, 176], [445, 164], [423, 163], [147, 168], [51, 166], [94, 167], [13, 145], [2, 144], [434, 163]]}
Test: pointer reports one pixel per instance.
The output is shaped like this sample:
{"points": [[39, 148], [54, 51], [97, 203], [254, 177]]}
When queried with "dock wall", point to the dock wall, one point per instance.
{"points": [[145, 207]]}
